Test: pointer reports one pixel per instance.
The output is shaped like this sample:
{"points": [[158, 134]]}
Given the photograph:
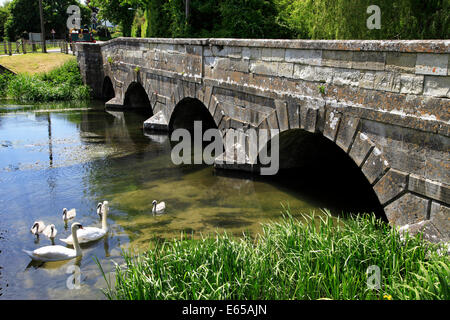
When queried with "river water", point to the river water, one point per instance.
{"points": [[52, 158]]}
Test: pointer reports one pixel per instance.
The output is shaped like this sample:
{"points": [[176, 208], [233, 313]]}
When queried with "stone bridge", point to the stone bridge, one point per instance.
{"points": [[386, 104]]}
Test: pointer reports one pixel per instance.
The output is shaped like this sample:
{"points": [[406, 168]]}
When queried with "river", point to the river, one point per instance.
{"points": [[73, 156]]}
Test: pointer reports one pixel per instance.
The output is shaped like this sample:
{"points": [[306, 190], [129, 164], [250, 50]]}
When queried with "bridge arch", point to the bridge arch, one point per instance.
{"points": [[136, 97], [188, 110], [108, 89], [316, 165]]}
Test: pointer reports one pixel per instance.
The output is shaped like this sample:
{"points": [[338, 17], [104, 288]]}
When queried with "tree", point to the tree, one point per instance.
{"points": [[24, 17], [4, 13], [118, 12], [346, 19]]}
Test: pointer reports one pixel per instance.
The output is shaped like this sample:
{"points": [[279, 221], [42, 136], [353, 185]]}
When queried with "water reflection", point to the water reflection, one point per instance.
{"points": [[76, 158]]}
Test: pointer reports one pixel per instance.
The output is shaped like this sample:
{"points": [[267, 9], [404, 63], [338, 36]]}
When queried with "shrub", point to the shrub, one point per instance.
{"points": [[63, 83]]}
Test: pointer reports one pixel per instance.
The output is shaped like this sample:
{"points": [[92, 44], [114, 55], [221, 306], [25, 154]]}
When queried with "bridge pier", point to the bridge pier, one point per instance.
{"points": [[385, 104]]}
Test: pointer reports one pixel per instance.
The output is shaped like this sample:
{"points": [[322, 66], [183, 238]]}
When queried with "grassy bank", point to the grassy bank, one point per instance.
{"points": [[34, 63], [290, 260], [60, 84]]}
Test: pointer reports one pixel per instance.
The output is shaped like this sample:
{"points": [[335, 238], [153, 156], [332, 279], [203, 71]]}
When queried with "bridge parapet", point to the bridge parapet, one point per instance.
{"points": [[385, 103]]}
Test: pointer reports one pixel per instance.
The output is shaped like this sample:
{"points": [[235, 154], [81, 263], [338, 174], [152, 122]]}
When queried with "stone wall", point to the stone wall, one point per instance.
{"points": [[385, 103]]}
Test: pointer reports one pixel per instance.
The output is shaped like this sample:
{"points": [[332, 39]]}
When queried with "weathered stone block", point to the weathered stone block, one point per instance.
{"points": [[368, 60], [308, 118], [311, 73], [375, 165], [411, 84], [437, 168], [227, 51], [387, 81], [332, 119], [346, 132], [272, 54], [293, 114], [285, 69], [213, 105], [367, 80], [272, 120], [440, 216], [207, 96], [361, 148], [401, 62], [432, 189], [195, 50], [251, 53], [426, 227], [340, 59], [238, 65], [218, 114], [346, 77], [265, 68], [391, 185], [437, 86], [408, 209], [200, 93], [311, 57], [432, 64], [157, 122], [282, 115]]}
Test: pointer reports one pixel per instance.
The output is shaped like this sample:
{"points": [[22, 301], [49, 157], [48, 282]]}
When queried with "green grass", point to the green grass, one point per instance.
{"points": [[61, 84], [289, 260], [35, 62]]}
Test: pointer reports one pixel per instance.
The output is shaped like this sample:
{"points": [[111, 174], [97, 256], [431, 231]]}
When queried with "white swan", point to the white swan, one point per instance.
{"points": [[57, 253], [50, 231], [88, 234], [158, 207], [68, 214], [38, 227]]}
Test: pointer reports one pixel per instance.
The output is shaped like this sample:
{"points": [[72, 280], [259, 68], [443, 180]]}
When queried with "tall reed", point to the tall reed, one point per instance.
{"points": [[320, 257]]}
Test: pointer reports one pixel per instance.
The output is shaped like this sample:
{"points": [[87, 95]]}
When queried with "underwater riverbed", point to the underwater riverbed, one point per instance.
{"points": [[53, 158]]}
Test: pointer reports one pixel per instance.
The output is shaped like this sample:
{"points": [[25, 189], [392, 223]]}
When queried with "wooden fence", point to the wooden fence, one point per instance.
{"points": [[26, 46]]}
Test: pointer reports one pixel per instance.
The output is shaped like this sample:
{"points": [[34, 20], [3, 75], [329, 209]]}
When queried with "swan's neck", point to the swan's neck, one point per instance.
{"points": [[104, 223], [76, 244], [154, 208]]}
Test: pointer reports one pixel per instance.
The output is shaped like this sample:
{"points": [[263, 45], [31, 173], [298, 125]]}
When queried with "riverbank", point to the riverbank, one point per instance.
{"points": [[62, 83], [34, 63], [291, 259]]}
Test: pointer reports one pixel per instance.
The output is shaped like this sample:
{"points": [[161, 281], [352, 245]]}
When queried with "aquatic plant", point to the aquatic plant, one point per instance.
{"points": [[315, 258]]}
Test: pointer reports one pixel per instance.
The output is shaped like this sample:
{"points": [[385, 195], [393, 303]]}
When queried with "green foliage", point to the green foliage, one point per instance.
{"points": [[63, 83], [118, 12], [304, 19], [139, 19], [5, 78], [3, 17], [343, 19], [24, 17], [210, 18], [321, 89], [311, 259], [103, 33]]}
